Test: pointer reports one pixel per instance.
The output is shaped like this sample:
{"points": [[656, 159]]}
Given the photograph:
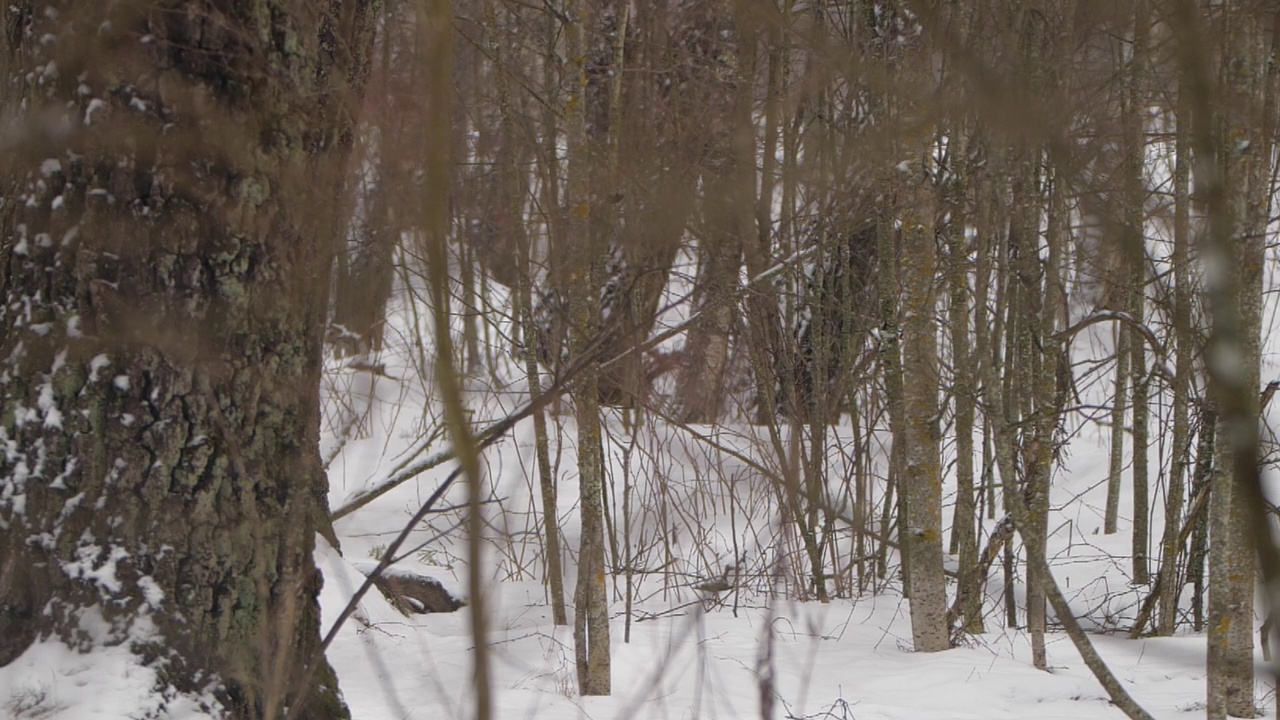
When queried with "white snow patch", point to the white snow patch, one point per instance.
{"points": [[52, 681], [59, 482], [98, 362], [95, 105], [151, 591], [48, 406], [87, 567]]}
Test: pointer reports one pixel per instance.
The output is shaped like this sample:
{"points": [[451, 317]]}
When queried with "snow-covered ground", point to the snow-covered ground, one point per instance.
{"points": [[696, 503], [849, 658]]}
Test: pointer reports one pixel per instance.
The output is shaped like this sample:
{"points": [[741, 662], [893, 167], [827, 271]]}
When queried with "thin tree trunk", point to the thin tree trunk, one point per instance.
{"points": [[437, 36], [591, 619], [554, 576], [891, 366], [1172, 548], [983, 332], [964, 538], [1134, 250], [922, 483], [1004, 450], [1115, 468], [1199, 551], [1037, 437]]}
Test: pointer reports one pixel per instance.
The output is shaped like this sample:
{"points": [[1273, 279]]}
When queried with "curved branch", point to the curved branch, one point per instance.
{"points": [[1161, 367]]}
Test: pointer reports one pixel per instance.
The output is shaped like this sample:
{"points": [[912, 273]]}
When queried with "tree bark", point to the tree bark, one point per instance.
{"points": [[1135, 252], [591, 612], [922, 482], [1231, 153], [1171, 547], [160, 392], [964, 539], [1115, 469]]}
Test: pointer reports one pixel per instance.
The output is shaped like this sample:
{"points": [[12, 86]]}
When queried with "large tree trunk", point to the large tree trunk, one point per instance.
{"points": [[164, 285]]}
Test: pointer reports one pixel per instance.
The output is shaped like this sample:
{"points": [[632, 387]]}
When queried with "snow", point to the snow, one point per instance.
{"points": [[151, 591], [849, 658], [52, 681], [95, 105], [47, 405], [692, 663], [96, 365], [687, 656], [96, 564]]}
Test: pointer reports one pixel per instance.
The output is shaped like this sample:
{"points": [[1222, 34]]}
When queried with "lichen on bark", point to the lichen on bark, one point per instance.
{"points": [[163, 282]]}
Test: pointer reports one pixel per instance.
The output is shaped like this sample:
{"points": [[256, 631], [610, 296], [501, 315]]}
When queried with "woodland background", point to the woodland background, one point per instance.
{"points": [[769, 301]]}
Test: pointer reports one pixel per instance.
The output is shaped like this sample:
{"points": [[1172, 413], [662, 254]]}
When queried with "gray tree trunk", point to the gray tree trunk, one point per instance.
{"points": [[591, 611], [963, 537], [1233, 165], [890, 350], [1115, 469], [1171, 549], [1134, 251], [922, 481]]}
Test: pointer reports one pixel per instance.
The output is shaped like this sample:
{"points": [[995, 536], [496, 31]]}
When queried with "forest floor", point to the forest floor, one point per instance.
{"points": [[845, 659], [685, 502], [686, 658]]}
